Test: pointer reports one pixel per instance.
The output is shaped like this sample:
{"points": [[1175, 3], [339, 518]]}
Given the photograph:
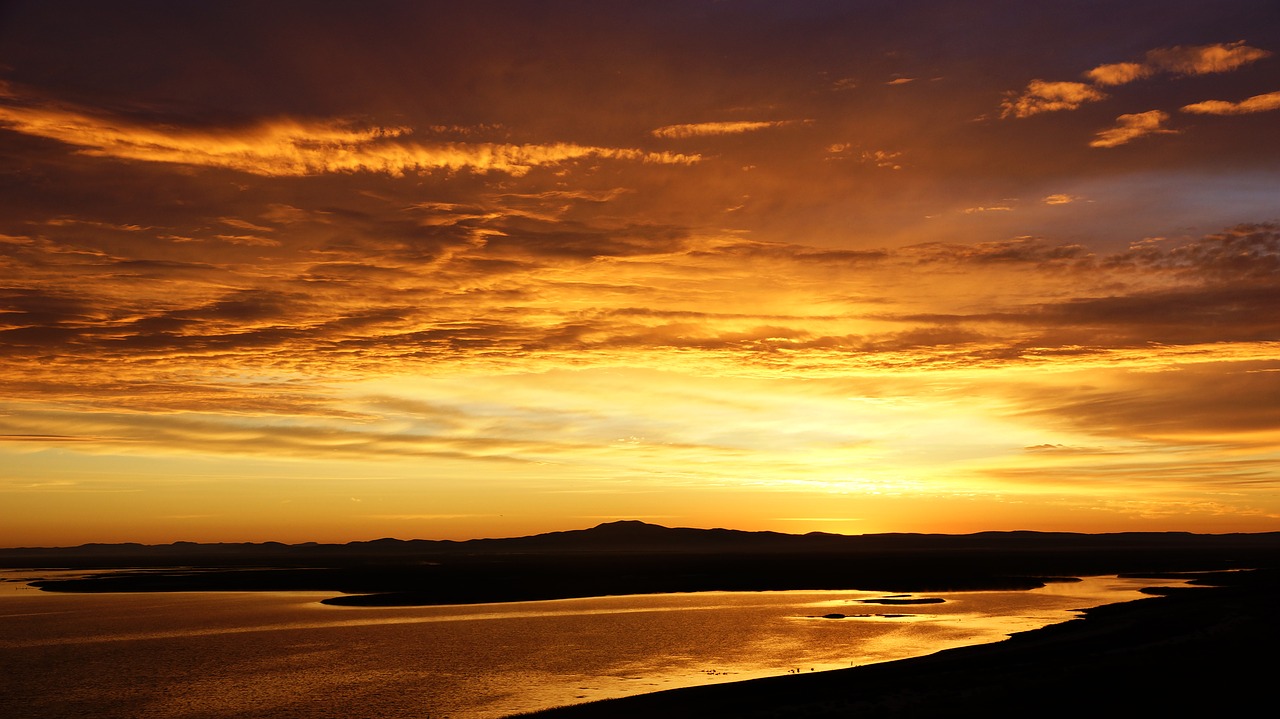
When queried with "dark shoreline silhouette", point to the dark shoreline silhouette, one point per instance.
{"points": [[903, 600], [1200, 650], [637, 558]]}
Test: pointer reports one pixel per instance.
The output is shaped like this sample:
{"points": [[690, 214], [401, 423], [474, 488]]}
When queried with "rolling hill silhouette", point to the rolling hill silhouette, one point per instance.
{"points": [[632, 557]]}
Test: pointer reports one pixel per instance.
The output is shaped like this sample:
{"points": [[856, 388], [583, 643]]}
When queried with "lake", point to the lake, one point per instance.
{"points": [[282, 654]]}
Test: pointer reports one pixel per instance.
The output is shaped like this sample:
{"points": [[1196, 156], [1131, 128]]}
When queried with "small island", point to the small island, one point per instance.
{"points": [[903, 600]]}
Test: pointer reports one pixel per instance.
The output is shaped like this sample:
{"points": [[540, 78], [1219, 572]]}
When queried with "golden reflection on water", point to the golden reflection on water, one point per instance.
{"points": [[284, 654]]}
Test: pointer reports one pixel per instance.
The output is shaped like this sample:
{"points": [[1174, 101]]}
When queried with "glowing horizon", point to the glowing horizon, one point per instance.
{"points": [[495, 269]]}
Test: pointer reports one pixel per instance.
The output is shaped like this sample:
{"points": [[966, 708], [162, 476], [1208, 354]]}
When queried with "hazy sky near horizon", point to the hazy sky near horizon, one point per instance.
{"points": [[332, 271]]}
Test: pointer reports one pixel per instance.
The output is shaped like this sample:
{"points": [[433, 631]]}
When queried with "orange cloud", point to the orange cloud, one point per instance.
{"points": [[1204, 59], [1131, 127], [1258, 103], [1179, 60], [1118, 73], [244, 224], [883, 159], [1059, 199], [252, 240], [1041, 96], [602, 365], [287, 147], [700, 129]]}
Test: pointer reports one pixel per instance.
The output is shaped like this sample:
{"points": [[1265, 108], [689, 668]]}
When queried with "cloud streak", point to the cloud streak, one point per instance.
{"points": [[1119, 73], [706, 129], [1041, 97], [1131, 127], [1258, 103], [1179, 60], [1203, 59], [288, 147]]}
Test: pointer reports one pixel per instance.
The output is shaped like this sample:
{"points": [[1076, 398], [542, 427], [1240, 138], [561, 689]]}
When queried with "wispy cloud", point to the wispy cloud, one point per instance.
{"points": [[701, 129], [244, 224], [1059, 199], [1041, 96], [1130, 127], [1204, 59], [1179, 60], [1118, 73], [534, 291], [252, 240], [883, 159], [290, 147], [1258, 103], [425, 517], [820, 519]]}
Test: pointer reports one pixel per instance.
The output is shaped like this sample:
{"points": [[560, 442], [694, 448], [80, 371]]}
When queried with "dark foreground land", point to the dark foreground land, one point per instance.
{"points": [[1195, 651]]}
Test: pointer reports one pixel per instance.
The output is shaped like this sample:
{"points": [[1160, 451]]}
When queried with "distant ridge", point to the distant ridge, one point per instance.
{"points": [[638, 536]]}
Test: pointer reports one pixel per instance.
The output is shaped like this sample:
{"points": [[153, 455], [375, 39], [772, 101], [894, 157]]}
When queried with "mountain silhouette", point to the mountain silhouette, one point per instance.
{"points": [[634, 536]]}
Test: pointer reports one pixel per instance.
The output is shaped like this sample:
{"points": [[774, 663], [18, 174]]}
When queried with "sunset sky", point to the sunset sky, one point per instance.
{"points": [[333, 271]]}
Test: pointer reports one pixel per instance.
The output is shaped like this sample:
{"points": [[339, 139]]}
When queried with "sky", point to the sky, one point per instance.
{"points": [[323, 271]]}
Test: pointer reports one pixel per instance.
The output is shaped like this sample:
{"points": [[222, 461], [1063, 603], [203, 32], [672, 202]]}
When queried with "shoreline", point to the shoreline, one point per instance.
{"points": [[405, 587], [151, 581], [1147, 655]]}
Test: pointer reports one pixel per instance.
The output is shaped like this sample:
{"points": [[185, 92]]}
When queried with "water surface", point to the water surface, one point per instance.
{"points": [[282, 654]]}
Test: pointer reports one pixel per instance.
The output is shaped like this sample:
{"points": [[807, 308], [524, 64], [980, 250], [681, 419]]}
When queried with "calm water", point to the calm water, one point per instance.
{"points": [[234, 654]]}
